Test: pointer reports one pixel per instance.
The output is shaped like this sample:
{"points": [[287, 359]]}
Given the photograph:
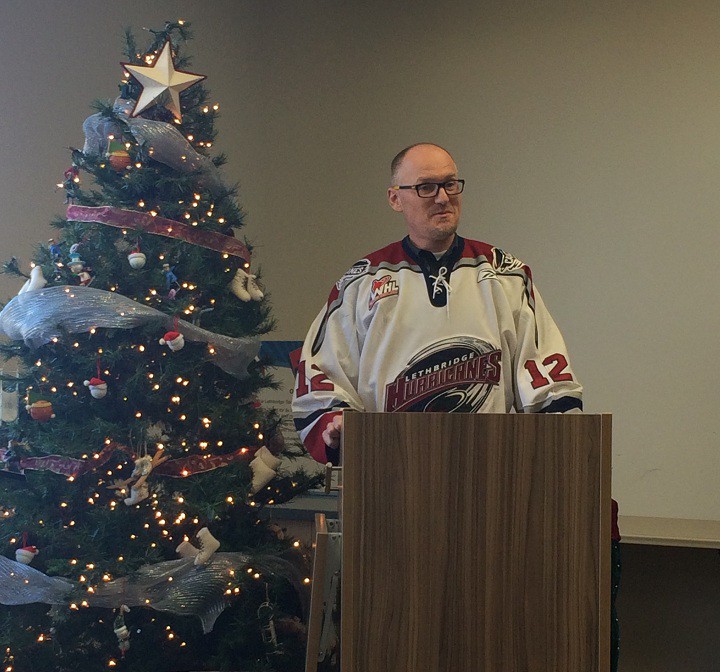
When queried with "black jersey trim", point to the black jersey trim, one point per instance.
{"points": [[430, 266], [562, 405], [302, 423]]}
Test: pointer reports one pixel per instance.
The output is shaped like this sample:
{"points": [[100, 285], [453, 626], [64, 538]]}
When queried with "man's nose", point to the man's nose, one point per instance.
{"points": [[441, 196]]}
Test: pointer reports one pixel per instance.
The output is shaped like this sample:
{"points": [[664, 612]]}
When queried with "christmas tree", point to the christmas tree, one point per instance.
{"points": [[134, 477]]}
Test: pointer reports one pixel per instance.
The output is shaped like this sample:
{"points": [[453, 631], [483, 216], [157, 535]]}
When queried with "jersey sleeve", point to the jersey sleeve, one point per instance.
{"points": [[327, 373], [543, 379]]}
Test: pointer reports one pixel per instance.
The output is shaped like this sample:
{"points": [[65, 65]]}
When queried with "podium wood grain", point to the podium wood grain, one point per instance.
{"points": [[476, 543]]}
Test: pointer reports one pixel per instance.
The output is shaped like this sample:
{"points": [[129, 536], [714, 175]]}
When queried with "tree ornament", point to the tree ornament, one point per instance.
{"points": [[137, 259], [26, 553], [138, 479], [186, 550], [161, 82], [76, 265], [265, 614], [208, 546], [9, 400], [40, 410], [55, 249], [117, 155], [170, 277], [121, 630], [71, 178], [36, 281], [97, 387], [157, 432], [84, 277], [243, 286], [263, 466], [174, 340]]}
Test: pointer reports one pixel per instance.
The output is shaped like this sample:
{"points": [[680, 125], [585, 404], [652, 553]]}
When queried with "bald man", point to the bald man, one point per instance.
{"points": [[434, 322]]}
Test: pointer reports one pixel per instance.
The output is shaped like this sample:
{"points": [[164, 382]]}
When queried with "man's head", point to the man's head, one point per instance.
{"points": [[431, 222]]}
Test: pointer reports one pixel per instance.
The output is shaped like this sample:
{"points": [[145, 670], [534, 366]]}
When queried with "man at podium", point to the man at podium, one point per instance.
{"points": [[434, 322]]}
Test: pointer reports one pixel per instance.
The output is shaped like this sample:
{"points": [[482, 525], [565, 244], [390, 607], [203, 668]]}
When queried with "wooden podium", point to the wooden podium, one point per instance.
{"points": [[475, 543]]}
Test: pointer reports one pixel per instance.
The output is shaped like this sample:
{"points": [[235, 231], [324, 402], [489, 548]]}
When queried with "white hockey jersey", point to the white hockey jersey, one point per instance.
{"points": [[404, 331]]}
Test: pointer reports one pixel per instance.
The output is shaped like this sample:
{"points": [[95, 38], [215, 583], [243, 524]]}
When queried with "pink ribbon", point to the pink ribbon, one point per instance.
{"points": [[142, 221]]}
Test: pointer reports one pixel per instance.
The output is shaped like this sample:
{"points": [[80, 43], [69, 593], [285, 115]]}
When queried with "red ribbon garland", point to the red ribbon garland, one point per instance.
{"points": [[142, 221], [178, 468]]}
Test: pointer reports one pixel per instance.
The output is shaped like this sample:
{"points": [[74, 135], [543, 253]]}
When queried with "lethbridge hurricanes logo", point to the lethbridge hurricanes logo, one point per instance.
{"points": [[382, 288], [454, 375]]}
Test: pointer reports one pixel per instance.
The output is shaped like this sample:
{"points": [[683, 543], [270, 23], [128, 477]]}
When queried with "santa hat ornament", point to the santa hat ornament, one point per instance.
{"points": [[137, 259], [97, 387], [26, 554], [174, 340]]}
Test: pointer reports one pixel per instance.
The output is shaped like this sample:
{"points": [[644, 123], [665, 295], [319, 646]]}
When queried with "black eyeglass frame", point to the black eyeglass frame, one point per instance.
{"points": [[437, 185]]}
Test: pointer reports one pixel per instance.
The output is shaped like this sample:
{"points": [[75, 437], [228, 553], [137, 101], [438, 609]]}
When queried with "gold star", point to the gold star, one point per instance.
{"points": [[159, 79]]}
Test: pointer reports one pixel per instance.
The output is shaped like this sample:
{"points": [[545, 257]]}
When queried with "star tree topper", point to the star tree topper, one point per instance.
{"points": [[159, 78]]}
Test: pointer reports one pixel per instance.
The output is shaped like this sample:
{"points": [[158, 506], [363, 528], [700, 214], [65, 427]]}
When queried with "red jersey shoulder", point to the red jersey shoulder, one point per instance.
{"points": [[475, 248], [501, 261], [390, 254]]}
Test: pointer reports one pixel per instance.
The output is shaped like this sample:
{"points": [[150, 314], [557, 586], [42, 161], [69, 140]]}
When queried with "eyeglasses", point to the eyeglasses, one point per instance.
{"points": [[431, 189]]}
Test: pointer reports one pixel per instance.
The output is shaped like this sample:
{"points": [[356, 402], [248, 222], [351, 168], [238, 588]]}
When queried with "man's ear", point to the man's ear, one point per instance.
{"points": [[394, 200]]}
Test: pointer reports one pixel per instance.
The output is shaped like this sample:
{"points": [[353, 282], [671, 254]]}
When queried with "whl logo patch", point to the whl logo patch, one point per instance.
{"points": [[382, 288]]}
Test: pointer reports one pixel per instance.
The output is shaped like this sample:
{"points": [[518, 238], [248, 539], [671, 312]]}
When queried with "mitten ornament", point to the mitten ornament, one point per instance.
{"points": [[186, 550], [208, 546], [264, 466]]}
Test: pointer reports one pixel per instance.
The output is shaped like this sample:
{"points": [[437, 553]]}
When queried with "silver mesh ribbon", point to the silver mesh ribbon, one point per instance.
{"points": [[21, 584], [97, 128], [160, 140], [175, 586], [38, 316]]}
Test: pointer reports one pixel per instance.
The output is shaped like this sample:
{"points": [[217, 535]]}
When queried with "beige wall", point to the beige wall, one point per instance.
{"points": [[588, 134]]}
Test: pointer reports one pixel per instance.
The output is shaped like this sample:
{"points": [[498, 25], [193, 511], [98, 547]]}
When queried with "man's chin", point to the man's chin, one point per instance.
{"points": [[447, 225]]}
